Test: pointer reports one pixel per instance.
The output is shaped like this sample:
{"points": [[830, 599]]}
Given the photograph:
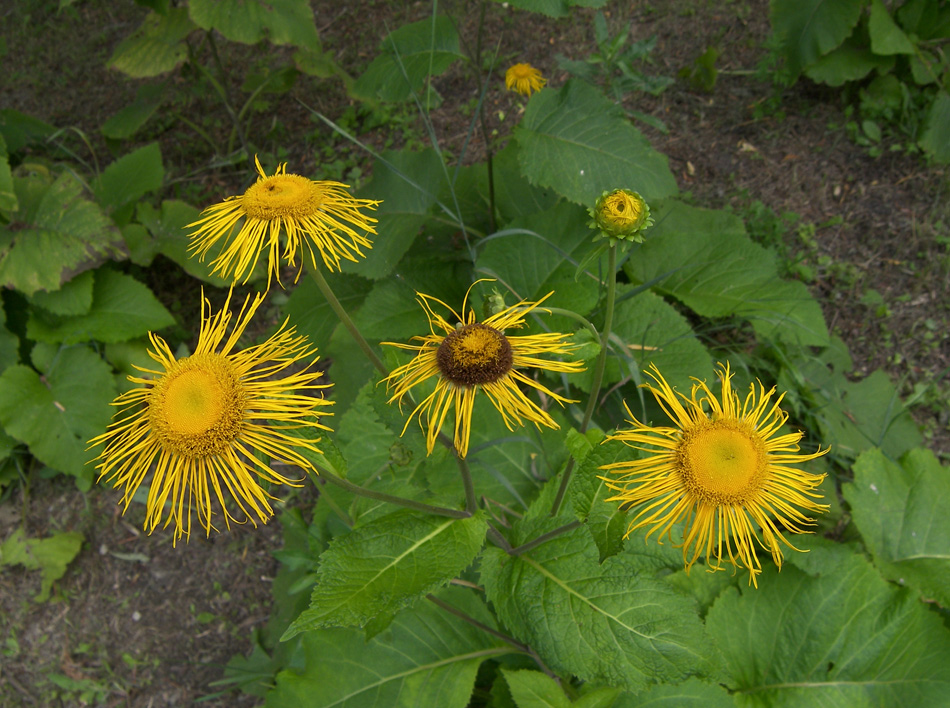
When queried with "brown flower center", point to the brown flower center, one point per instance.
{"points": [[474, 354]]}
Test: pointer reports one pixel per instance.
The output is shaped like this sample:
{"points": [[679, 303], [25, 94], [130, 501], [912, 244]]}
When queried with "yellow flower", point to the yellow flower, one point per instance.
{"points": [[201, 422], [524, 79], [724, 473], [622, 215], [478, 356], [310, 215]]}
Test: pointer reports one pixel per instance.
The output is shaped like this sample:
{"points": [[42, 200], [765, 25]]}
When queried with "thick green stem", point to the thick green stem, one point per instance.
{"points": [[543, 538], [324, 286], [391, 499], [599, 366]]}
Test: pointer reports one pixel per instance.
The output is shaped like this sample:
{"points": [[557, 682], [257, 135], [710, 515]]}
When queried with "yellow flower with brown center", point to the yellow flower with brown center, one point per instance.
{"points": [[284, 214], [725, 473], [524, 79], [199, 423], [478, 356], [621, 215]]}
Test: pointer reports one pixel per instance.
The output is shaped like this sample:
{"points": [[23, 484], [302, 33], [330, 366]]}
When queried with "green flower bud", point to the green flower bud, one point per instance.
{"points": [[621, 215]]}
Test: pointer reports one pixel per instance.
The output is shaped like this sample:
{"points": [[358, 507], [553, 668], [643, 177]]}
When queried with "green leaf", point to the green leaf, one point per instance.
{"points": [[390, 311], [426, 657], [554, 8], [74, 298], [56, 414], [935, 138], [408, 56], [156, 47], [51, 555], [9, 345], [704, 258], [605, 521], [693, 693], [167, 227], [310, 312], [122, 308], [57, 234], [605, 622], [886, 37], [809, 29], [899, 510], [127, 121], [387, 565], [851, 61], [532, 689], [250, 21], [130, 177], [20, 130], [8, 200], [836, 635], [580, 144]]}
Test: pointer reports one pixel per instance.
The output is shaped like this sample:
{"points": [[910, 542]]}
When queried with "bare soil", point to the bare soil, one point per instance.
{"points": [[146, 624]]}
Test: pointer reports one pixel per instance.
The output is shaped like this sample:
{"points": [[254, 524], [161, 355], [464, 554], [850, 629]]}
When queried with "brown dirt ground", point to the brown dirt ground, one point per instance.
{"points": [[179, 614]]}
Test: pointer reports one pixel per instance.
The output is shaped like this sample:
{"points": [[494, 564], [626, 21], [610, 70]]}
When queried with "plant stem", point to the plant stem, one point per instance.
{"points": [[499, 540], [399, 501], [598, 370], [324, 286], [574, 316], [543, 538]]}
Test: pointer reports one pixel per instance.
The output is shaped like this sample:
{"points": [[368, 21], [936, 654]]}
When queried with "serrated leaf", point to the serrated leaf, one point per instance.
{"points": [[250, 21], [156, 47], [606, 523], [886, 37], [849, 62], [935, 137], [704, 258], [56, 414], [388, 564], [130, 177], [127, 121], [122, 308], [693, 693], [533, 689], [55, 235], [605, 622], [838, 637], [808, 29], [580, 144], [390, 311], [310, 312], [170, 238], [19, 130], [426, 657], [74, 298], [899, 510], [52, 555]]}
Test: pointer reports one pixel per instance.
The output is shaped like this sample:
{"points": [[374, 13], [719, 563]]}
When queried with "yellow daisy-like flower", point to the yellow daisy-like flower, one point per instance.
{"points": [[310, 214], [724, 473], [524, 79], [199, 423], [478, 356]]}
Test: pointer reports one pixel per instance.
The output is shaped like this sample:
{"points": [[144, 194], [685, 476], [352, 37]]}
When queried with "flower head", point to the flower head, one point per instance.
{"points": [[621, 215], [310, 214], [524, 79], [478, 356], [723, 472], [199, 423]]}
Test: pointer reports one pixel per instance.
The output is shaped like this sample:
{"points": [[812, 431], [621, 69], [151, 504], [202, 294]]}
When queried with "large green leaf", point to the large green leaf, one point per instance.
{"points": [[609, 622], [886, 36], [156, 47], [57, 413], [310, 312], [935, 138], [168, 235], [852, 61], [122, 308], [834, 636], [580, 144], [704, 258], [130, 177], [426, 657], [250, 21], [606, 523], [51, 555], [74, 298], [56, 234], [693, 693], [407, 57], [391, 311], [388, 564], [809, 29], [900, 511], [8, 200]]}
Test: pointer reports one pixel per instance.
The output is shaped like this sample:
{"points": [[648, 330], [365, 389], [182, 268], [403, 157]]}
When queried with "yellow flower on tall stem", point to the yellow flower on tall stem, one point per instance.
{"points": [[478, 356], [524, 79], [308, 214], [199, 423], [724, 473]]}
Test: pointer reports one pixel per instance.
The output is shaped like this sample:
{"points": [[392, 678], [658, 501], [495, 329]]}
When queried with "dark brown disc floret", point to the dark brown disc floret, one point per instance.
{"points": [[474, 354]]}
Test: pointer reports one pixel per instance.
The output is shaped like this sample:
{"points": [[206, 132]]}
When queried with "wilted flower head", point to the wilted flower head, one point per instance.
{"points": [[524, 79], [621, 215]]}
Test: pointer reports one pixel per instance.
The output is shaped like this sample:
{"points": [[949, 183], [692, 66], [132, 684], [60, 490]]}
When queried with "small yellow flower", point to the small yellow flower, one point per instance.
{"points": [[200, 423], [524, 79], [621, 215], [478, 356], [308, 214], [724, 473]]}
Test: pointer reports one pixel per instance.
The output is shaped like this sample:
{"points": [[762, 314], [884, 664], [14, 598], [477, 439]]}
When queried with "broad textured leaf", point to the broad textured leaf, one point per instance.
{"points": [[606, 523], [835, 636], [52, 555], [900, 510], [935, 139], [693, 693], [19, 129], [131, 177], [886, 36], [127, 121], [387, 565], [849, 62], [74, 298], [426, 657], [8, 200], [310, 312], [533, 689], [122, 308], [407, 56], [9, 344], [56, 415], [170, 237], [607, 622], [250, 21], [55, 235], [704, 258], [580, 144], [390, 311], [808, 29], [156, 47]]}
